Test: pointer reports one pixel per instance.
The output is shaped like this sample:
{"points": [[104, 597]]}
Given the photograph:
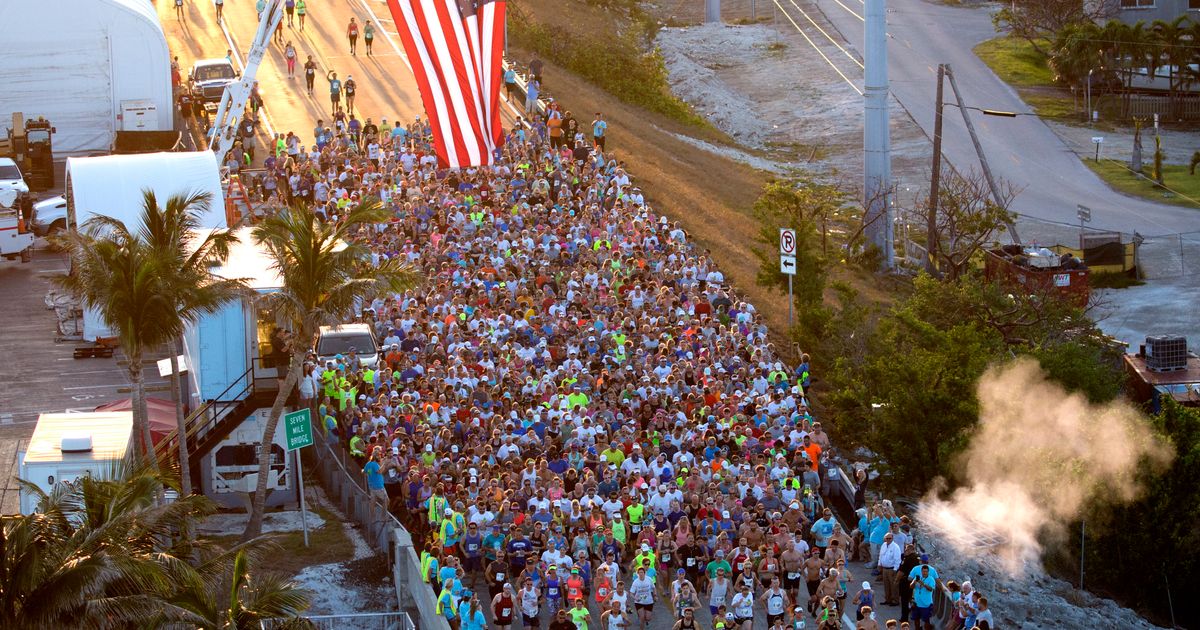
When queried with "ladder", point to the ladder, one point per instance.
{"points": [[224, 129]]}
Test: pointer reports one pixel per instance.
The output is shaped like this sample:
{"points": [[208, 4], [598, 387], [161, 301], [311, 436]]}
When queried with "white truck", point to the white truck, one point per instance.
{"points": [[16, 229]]}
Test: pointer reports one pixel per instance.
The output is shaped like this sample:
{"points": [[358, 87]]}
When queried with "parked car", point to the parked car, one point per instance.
{"points": [[341, 340], [50, 216], [10, 176]]}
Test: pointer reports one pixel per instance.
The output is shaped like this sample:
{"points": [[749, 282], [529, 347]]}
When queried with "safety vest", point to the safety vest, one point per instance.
{"points": [[427, 564], [436, 506]]}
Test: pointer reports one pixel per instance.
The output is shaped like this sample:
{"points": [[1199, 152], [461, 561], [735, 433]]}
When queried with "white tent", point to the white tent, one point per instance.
{"points": [[112, 186], [76, 62]]}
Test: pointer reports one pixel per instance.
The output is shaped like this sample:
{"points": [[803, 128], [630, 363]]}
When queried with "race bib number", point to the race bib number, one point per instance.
{"points": [[793, 576], [691, 562], [505, 612], [499, 577], [666, 557], [472, 547], [636, 528], [553, 591]]}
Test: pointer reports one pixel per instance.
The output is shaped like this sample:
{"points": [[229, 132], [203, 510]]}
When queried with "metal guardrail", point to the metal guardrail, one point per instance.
{"points": [[359, 621], [345, 484]]}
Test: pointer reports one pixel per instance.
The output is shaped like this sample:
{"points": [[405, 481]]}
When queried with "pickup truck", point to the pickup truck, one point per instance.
{"points": [[209, 78]]}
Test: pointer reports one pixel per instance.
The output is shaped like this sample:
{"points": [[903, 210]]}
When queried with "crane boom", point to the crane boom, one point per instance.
{"points": [[233, 100]]}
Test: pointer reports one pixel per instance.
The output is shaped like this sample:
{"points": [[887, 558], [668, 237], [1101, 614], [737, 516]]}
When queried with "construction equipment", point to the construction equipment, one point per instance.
{"points": [[29, 143], [224, 131]]}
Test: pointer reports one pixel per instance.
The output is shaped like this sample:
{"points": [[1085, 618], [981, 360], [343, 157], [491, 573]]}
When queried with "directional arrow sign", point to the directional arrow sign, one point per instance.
{"points": [[787, 264], [787, 242]]}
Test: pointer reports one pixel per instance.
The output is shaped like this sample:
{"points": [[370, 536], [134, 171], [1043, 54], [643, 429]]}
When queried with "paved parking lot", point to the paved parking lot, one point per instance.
{"points": [[38, 374]]}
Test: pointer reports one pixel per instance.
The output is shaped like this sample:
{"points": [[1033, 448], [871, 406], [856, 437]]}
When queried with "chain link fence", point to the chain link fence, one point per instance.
{"points": [[345, 484]]}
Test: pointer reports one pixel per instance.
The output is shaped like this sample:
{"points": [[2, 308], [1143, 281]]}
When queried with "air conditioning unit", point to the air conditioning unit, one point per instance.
{"points": [[1165, 353]]}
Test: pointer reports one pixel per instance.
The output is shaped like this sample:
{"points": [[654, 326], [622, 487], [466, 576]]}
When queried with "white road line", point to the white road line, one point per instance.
{"points": [[860, 18], [816, 48], [386, 35], [400, 51], [237, 56], [115, 385], [827, 35]]}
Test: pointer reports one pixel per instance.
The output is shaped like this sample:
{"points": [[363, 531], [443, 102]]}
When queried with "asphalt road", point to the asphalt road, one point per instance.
{"points": [[386, 87], [1022, 150]]}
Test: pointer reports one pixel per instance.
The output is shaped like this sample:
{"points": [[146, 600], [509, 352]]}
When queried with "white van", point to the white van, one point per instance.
{"points": [[335, 340]]}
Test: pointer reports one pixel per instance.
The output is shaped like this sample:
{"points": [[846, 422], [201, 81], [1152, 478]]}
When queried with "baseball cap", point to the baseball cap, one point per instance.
{"points": [[866, 586]]}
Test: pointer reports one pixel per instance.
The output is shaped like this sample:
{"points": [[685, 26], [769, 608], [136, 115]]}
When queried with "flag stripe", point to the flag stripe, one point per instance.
{"points": [[457, 60], [428, 84], [428, 26]]}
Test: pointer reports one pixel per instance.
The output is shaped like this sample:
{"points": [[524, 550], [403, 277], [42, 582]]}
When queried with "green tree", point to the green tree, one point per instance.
{"points": [[92, 554], [117, 275], [1035, 21], [229, 591], [325, 272], [912, 400], [805, 207], [184, 256], [1141, 549], [1174, 48]]}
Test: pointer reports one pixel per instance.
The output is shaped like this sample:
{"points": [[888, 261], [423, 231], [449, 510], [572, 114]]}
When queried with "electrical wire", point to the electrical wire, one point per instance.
{"points": [[816, 48]]}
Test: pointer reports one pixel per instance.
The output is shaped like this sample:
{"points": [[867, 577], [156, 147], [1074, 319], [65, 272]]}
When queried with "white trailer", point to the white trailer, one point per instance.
{"points": [[67, 446]]}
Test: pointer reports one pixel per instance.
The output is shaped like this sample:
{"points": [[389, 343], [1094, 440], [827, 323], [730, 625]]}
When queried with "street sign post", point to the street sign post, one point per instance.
{"points": [[787, 242], [299, 433], [787, 262], [1085, 216], [1097, 140]]}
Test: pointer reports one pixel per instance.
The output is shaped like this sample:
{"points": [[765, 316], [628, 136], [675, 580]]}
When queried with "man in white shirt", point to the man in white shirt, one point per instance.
{"points": [[889, 564]]}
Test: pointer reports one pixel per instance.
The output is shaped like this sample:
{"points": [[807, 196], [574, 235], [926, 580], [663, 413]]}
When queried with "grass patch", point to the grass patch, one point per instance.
{"points": [[616, 55], [1113, 281], [1016, 62], [326, 544], [1181, 188]]}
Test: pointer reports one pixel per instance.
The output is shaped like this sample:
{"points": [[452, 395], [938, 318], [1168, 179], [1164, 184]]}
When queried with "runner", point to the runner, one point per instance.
{"points": [[351, 88], [368, 35], [776, 601], [742, 606], [644, 595], [530, 601], [352, 35], [289, 53], [301, 11], [503, 606], [335, 91]]}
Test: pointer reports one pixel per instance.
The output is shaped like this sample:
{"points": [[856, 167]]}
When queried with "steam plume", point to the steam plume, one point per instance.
{"points": [[1037, 457]]}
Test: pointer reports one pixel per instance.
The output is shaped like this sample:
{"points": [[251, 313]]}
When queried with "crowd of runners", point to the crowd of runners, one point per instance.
{"points": [[576, 416]]}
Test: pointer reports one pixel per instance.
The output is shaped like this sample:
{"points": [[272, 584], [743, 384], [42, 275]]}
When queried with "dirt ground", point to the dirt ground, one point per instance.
{"points": [[708, 179], [766, 87]]}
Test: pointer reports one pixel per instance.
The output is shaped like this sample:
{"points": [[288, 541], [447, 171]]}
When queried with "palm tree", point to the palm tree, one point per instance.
{"points": [[91, 555], [226, 593], [324, 273], [185, 255], [117, 275], [1174, 42]]}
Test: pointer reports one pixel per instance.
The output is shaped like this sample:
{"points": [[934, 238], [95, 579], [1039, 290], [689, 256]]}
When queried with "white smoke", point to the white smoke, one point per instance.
{"points": [[1037, 458]]}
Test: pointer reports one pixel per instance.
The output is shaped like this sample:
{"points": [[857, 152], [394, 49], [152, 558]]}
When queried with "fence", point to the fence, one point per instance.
{"points": [[1184, 107], [345, 484], [359, 621]]}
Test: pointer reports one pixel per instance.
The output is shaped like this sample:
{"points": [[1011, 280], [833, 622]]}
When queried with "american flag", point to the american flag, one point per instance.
{"points": [[455, 49]]}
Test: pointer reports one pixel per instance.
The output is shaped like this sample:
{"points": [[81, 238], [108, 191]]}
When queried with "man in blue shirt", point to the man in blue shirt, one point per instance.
{"points": [[374, 473], [922, 587], [599, 127]]}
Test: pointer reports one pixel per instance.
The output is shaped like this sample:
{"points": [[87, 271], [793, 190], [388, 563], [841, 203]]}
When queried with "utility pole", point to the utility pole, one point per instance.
{"points": [[935, 179], [712, 11], [987, 170], [877, 145]]}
